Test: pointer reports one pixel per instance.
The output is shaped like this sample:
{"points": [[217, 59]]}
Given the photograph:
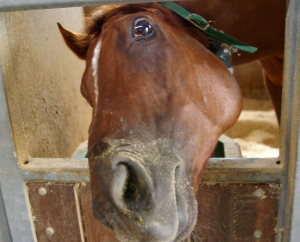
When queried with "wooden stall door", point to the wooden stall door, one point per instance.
{"points": [[226, 213]]}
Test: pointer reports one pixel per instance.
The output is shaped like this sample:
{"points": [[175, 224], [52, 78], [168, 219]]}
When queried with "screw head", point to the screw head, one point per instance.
{"points": [[42, 191], [49, 231], [257, 234], [259, 193]]}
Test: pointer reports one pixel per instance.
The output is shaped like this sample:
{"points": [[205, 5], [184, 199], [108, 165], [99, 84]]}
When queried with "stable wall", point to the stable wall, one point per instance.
{"points": [[250, 78], [49, 117]]}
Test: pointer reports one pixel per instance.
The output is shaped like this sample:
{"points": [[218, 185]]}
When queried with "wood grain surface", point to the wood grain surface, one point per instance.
{"points": [[236, 212], [226, 213], [56, 209], [95, 231]]}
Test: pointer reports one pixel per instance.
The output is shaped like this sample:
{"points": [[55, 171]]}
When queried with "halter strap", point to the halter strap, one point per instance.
{"points": [[204, 26]]}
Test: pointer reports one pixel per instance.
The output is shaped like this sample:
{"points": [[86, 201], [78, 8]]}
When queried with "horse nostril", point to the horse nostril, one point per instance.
{"points": [[130, 189], [178, 171]]}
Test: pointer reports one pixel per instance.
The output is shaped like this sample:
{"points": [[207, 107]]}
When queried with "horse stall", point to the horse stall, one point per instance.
{"points": [[45, 195]]}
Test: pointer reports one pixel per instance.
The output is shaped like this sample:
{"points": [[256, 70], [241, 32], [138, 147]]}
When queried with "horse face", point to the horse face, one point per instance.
{"points": [[160, 101]]}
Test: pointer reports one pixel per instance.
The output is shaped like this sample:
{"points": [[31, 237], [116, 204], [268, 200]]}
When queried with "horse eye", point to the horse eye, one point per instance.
{"points": [[142, 28]]}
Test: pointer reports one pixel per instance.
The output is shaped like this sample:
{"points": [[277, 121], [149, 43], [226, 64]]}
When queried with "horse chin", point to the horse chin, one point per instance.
{"points": [[128, 229], [154, 236]]}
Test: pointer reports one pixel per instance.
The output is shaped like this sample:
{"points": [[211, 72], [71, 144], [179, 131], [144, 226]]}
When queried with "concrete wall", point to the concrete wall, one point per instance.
{"points": [[250, 78], [49, 117]]}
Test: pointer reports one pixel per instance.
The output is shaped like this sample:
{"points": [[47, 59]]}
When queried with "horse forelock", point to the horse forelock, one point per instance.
{"points": [[95, 20]]}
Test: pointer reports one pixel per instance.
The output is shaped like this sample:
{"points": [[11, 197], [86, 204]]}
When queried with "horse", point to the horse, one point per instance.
{"points": [[160, 100]]}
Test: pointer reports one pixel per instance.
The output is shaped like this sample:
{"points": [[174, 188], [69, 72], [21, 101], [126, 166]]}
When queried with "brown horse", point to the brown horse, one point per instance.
{"points": [[160, 100]]}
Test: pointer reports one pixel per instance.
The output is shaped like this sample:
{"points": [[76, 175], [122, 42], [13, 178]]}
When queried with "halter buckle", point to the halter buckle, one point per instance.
{"points": [[191, 21]]}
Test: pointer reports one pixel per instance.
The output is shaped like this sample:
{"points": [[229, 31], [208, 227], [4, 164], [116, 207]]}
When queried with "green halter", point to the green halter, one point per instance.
{"points": [[204, 26]]}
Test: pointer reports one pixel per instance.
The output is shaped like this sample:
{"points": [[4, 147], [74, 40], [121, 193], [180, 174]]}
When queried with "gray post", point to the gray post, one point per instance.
{"points": [[11, 183], [4, 230], [289, 206], [19, 5]]}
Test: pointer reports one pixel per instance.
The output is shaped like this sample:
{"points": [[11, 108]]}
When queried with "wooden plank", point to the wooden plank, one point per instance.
{"points": [[226, 213], [56, 209], [95, 231], [256, 214], [236, 212], [215, 212]]}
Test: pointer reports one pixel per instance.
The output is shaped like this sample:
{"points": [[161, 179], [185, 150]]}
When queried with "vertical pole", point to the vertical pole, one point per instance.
{"points": [[11, 183], [4, 230], [289, 205]]}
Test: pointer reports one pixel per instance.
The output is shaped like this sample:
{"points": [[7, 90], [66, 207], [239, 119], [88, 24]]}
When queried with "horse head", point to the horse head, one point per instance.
{"points": [[160, 102]]}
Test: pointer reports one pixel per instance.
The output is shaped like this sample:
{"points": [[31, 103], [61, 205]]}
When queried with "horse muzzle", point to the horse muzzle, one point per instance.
{"points": [[142, 191]]}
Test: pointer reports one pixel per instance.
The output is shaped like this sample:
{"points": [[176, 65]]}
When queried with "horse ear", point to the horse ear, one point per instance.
{"points": [[74, 42]]}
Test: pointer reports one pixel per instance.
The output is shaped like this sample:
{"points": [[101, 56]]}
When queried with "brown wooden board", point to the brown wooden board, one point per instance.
{"points": [[56, 209], [226, 213], [254, 213], [95, 231], [215, 212], [234, 212]]}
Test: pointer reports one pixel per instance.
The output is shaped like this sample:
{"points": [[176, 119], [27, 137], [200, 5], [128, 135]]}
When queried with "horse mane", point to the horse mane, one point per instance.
{"points": [[93, 24]]}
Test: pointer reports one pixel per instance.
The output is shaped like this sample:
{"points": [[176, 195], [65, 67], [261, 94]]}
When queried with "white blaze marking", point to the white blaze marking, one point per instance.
{"points": [[95, 60]]}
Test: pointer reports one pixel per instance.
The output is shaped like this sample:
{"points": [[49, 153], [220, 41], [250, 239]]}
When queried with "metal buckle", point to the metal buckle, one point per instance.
{"points": [[205, 28]]}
